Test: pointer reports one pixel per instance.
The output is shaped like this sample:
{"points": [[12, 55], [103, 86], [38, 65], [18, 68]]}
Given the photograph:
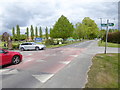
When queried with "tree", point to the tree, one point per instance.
{"points": [[62, 28], [46, 33], [23, 37], [102, 33], [91, 27], [36, 32], [27, 32], [18, 31], [32, 32], [13, 31], [80, 31], [6, 38], [40, 32]]}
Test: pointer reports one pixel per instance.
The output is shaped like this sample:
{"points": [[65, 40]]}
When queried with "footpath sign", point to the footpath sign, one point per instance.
{"points": [[104, 25], [38, 39], [109, 24]]}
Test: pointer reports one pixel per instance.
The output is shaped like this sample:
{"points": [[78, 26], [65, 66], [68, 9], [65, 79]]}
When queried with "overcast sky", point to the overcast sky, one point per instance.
{"points": [[46, 12]]}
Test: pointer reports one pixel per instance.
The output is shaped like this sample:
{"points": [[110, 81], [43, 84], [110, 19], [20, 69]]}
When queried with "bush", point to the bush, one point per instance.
{"points": [[15, 46], [49, 42], [113, 37], [65, 42]]}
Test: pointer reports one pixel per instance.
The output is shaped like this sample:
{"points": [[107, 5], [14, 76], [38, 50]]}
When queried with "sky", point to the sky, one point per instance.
{"points": [[46, 12]]}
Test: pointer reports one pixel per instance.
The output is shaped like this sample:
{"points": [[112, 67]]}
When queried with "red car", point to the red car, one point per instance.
{"points": [[9, 57]]}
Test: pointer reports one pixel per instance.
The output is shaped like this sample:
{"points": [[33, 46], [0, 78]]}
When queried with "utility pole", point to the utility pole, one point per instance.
{"points": [[106, 35]]}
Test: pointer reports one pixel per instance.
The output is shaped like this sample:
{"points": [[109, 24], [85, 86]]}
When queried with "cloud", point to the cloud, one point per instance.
{"points": [[46, 12]]}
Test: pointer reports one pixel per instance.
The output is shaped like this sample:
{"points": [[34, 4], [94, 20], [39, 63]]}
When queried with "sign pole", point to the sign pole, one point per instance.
{"points": [[106, 36]]}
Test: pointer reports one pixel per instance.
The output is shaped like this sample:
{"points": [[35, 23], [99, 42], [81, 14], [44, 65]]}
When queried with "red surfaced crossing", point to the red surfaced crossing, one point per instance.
{"points": [[49, 61]]}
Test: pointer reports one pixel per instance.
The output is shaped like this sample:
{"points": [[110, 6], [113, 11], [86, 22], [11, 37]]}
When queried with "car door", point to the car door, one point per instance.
{"points": [[33, 45], [26, 46], [5, 58], [1, 54], [30, 45]]}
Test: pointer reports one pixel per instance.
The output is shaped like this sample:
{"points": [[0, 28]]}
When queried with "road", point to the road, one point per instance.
{"points": [[63, 67]]}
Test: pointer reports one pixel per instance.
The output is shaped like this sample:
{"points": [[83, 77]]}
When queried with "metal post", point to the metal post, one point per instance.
{"points": [[106, 35], [101, 22]]}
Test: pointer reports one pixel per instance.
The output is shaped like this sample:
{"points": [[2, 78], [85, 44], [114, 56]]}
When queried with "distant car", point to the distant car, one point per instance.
{"points": [[31, 46], [9, 57]]}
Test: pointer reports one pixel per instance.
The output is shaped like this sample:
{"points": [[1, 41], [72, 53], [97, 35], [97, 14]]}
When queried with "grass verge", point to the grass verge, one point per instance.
{"points": [[59, 45], [48, 46], [104, 71], [108, 44]]}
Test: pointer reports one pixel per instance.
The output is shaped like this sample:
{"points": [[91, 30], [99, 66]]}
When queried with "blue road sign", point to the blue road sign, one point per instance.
{"points": [[38, 39]]}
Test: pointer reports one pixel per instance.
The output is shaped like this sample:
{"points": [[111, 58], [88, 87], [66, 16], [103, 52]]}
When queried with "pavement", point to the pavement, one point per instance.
{"points": [[74, 75], [64, 67]]}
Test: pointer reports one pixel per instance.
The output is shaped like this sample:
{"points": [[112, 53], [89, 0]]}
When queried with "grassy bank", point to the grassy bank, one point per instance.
{"points": [[104, 71], [108, 44]]}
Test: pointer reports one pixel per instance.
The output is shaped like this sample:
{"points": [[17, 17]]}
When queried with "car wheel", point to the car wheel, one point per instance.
{"points": [[37, 48], [43, 48], [22, 49], [16, 60]]}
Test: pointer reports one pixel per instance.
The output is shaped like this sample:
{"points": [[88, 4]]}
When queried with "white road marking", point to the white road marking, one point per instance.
{"points": [[50, 54], [64, 62], [28, 60], [4, 70], [29, 54], [61, 51], [43, 78], [10, 72], [40, 61], [47, 54], [74, 55]]}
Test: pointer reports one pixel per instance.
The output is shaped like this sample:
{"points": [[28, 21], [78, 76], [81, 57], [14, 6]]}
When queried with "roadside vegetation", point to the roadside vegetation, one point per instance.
{"points": [[63, 32], [113, 39], [108, 44], [62, 29], [16, 44], [104, 71]]}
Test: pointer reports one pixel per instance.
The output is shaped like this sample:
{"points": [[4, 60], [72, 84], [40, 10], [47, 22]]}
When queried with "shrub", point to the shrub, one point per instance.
{"points": [[15, 46], [49, 42], [113, 37]]}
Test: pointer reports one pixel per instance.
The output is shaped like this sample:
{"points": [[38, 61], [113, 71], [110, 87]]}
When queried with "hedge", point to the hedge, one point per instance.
{"points": [[113, 37]]}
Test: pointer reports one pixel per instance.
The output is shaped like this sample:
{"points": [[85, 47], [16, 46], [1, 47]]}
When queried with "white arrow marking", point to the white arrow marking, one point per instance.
{"points": [[43, 78]]}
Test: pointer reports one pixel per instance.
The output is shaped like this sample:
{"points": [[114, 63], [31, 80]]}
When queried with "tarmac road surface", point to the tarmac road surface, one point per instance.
{"points": [[63, 67]]}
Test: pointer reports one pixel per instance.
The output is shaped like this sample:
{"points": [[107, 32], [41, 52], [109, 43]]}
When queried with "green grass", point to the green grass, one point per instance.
{"points": [[14, 43], [59, 45], [108, 44], [48, 46], [104, 71]]}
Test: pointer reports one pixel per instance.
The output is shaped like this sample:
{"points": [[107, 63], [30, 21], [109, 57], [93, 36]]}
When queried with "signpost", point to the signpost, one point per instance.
{"points": [[103, 25], [106, 25], [111, 24]]}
